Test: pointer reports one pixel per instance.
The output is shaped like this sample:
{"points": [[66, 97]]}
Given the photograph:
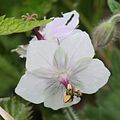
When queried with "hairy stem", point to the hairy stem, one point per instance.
{"points": [[70, 114], [115, 18]]}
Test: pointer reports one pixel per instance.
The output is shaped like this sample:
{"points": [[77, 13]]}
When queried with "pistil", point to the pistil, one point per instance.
{"points": [[37, 34], [64, 79]]}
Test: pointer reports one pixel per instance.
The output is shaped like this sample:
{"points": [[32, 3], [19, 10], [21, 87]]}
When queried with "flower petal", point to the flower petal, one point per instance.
{"points": [[91, 79], [60, 59], [62, 26], [77, 46], [40, 54], [80, 65], [74, 20], [55, 98], [31, 88], [45, 73], [59, 33]]}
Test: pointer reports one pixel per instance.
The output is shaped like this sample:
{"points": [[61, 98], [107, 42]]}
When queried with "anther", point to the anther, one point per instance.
{"points": [[70, 93]]}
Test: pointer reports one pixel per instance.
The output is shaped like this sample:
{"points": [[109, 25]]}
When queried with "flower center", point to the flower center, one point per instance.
{"points": [[64, 79], [71, 91]]}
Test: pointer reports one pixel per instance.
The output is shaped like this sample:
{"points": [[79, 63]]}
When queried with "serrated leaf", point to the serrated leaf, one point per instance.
{"points": [[16, 108], [114, 6], [1, 18], [13, 25]]}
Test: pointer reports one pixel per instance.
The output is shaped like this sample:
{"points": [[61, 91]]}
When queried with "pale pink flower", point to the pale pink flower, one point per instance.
{"points": [[62, 62]]}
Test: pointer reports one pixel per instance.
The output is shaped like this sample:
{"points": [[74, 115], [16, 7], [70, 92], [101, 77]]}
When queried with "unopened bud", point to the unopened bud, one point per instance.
{"points": [[105, 32]]}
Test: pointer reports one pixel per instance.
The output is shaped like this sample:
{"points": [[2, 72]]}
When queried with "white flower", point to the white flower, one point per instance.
{"points": [[59, 70], [61, 27]]}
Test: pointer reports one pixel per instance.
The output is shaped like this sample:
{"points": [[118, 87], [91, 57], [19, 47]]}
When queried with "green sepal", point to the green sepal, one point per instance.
{"points": [[114, 6]]}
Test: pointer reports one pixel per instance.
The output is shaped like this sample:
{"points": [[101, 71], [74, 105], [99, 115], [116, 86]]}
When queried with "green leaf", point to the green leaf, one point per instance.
{"points": [[2, 17], [7, 78], [114, 6], [13, 25], [17, 109]]}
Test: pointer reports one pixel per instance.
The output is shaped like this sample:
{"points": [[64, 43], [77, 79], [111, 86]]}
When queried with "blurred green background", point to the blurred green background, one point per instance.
{"points": [[104, 105]]}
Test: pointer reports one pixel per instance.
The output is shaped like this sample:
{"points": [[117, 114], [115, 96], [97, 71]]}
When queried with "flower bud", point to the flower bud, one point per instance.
{"points": [[106, 32], [103, 34]]}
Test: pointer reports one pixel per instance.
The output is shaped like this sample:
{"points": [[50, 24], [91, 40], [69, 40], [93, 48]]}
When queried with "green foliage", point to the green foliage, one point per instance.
{"points": [[13, 25], [41, 7], [114, 6], [6, 75], [48, 114], [16, 108]]}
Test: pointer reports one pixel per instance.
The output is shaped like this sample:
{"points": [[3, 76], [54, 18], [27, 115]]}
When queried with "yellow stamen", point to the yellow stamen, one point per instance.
{"points": [[67, 98], [70, 93]]}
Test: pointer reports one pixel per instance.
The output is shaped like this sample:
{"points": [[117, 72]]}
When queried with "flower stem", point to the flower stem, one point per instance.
{"points": [[115, 18], [70, 114], [5, 114]]}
